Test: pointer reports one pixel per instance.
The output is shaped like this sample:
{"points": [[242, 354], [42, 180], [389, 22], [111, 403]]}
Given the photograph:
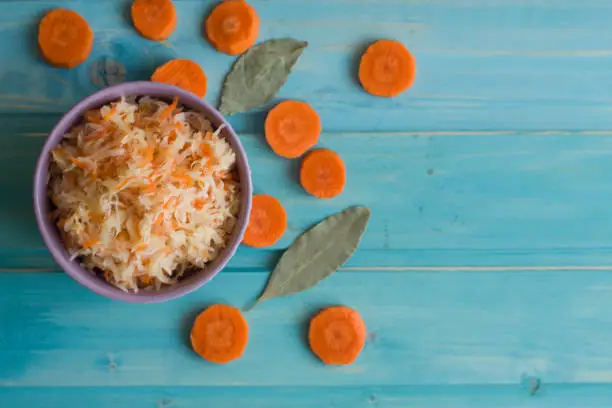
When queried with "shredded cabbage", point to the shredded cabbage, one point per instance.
{"points": [[144, 192]]}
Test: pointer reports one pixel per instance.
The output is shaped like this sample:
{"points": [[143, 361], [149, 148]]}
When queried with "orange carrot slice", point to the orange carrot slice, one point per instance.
{"points": [[267, 222], [154, 19], [387, 68], [232, 27], [183, 73], [220, 334], [323, 173], [337, 335], [65, 38], [292, 127]]}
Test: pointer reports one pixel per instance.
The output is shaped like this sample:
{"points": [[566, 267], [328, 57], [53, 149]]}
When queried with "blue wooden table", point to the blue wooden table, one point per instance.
{"points": [[484, 277]]}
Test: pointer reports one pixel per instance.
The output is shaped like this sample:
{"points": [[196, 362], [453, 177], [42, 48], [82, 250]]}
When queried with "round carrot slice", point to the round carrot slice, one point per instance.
{"points": [[220, 334], [292, 127], [337, 335], [267, 222], [232, 27], [323, 173], [183, 73], [65, 38], [154, 19], [387, 68]]}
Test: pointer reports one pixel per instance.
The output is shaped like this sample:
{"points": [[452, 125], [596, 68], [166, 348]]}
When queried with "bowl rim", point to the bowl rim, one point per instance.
{"points": [[49, 231]]}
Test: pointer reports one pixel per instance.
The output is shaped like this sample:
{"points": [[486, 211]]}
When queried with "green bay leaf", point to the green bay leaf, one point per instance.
{"points": [[258, 74], [317, 253]]}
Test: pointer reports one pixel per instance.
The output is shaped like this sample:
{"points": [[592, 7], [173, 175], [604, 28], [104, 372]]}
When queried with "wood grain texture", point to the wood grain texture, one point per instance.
{"points": [[482, 65], [584, 396], [486, 267], [424, 329], [454, 199]]}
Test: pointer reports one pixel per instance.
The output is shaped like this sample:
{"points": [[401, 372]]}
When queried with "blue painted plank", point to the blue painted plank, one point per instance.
{"points": [[482, 64], [548, 396], [492, 198], [508, 191], [424, 329], [468, 198]]}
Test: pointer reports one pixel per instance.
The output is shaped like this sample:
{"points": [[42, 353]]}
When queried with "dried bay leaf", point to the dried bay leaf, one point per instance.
{"points": [[258, 74], [317, 253]]}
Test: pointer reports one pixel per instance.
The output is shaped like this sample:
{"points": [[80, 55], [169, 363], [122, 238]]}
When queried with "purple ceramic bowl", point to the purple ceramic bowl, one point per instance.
{"points": [[43, 206]]}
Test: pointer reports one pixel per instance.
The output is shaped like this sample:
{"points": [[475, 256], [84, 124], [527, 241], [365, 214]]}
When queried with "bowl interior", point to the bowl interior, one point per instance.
{"points": [[43, 206]]}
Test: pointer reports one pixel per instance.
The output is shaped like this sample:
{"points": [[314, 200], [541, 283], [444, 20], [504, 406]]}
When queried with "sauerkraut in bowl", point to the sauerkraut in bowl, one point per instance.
{"points": [[144, 191]]}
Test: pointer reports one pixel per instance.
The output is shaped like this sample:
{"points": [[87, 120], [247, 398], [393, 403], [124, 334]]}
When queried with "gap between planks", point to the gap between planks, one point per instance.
{"points": [[405, 269], [480, 268]]}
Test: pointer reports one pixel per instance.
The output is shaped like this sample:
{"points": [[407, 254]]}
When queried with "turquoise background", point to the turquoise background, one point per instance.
{"points": [[484, 276]]}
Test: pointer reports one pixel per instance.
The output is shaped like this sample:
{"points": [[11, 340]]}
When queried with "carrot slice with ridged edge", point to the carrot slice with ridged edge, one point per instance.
{"points": [[232, 27], [387, 68], [337, 335], [292, 127], [267, 222], [65, 38], [183, 73], [323, 173], [220, 334], [154, 19]]}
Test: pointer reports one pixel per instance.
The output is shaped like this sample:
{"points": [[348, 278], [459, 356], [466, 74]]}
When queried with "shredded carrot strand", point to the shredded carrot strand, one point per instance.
{"points": [[207, 150], [140, 247], [199, 203], [159, 219], [184, 179], [151, 187], [82, 165], [168, 111], [58, 152], [98, 135], [146, 280], [147, 156], [79, 163], [90, 243], [110, 114], [172, 136], [172, 201], [124, 183]]}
